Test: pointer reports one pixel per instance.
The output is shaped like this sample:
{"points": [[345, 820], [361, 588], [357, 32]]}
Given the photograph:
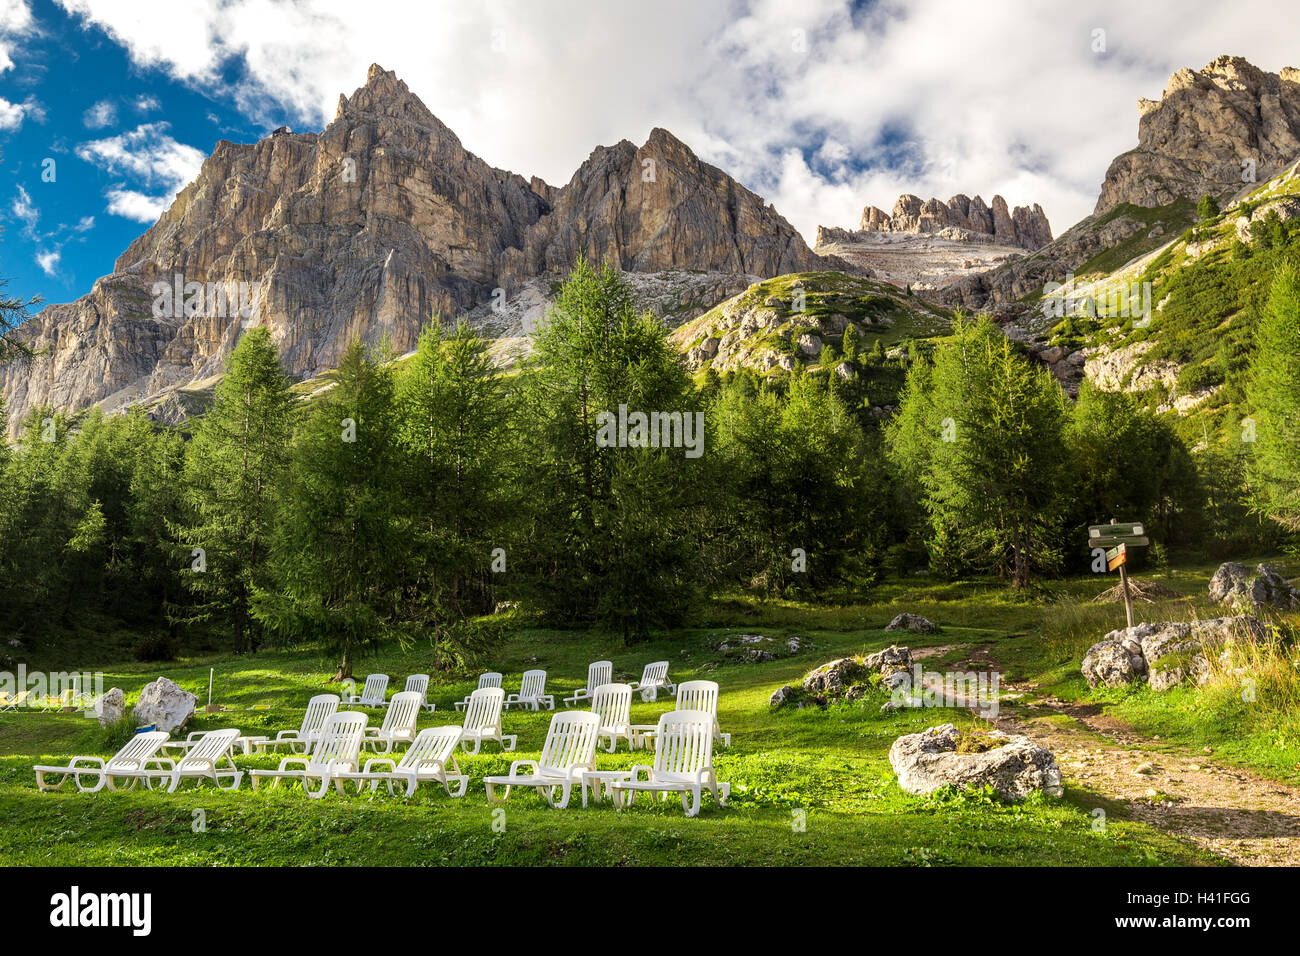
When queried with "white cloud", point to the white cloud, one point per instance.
{"points": [[103, 113], [49, 261], [146, 103], [11, 115], [15, 23], [158, 165], [24, 210], [933, 97], [135, 205]]}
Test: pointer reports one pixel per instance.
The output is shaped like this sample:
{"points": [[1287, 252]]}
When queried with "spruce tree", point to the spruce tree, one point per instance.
{"points": [[1273, 392], [233, 465], [342, 536]]}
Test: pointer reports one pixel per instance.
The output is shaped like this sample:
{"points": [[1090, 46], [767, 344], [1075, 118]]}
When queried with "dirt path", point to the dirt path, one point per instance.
{"points": [[1234, 813]]}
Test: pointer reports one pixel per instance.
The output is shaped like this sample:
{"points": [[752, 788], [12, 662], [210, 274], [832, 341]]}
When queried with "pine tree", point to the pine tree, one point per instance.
{"points": [[612, 527], [233, 465], [986, 443], [1273, 392], [463, 474], [342, 538]]}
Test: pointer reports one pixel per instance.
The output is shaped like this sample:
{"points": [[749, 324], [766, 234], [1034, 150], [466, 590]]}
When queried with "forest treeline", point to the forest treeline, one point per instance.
{"points": [[407, 500]]}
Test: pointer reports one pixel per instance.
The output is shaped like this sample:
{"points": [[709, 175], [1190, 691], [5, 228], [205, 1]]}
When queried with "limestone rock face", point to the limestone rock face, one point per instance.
{"points": [[164, 704], [1167, 654], [1025, 226], [1237, 585], [1194, 140], [363, 231], [1015, 768]]}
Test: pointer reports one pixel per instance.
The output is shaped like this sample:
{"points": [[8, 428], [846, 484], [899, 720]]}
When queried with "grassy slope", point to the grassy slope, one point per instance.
{"points": [[832, 764]]}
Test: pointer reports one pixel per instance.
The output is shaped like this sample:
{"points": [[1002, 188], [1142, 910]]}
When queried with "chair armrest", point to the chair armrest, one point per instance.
{"points": [[392, 765], [285, 761], [289, 735], [637, 768], [97, 761], [522, 763]]}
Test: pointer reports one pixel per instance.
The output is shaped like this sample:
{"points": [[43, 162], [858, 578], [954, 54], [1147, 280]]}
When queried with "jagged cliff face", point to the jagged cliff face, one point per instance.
{"points": [[365, 230], [960, 218], [1194, 141]]}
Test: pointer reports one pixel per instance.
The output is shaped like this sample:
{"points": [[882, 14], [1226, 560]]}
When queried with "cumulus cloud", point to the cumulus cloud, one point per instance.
{"points": [[157, 164], [822, 106], [48, 260], [15, 23], [103, 113]]}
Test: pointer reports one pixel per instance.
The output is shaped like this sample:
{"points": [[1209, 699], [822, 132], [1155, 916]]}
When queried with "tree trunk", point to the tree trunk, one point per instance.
{"points": [[345, 667]]}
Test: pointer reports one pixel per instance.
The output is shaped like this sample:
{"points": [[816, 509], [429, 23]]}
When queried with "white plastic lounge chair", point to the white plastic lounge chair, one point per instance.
{"points": [[489, 679], [202, 761], [683, 763], [431, 757], [483, 721], [601, 672], [138, 752], [654, 678], [337, 751], [58, 702], [570, 749], [372, 694], [319, 709], [399, 723], [532, 692], [17, 700], [702, 695], [419, 683], [613, 704]]}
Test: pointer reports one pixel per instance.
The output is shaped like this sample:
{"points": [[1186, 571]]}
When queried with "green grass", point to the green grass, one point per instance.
{"points": [[827, 769]]}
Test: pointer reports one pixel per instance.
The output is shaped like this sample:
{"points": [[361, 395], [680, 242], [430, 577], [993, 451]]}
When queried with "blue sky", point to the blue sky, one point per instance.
{"points": [[821, 106]]}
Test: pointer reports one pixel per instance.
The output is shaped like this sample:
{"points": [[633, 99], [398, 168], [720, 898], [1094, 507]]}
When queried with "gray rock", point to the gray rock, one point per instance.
{"points": [[782, 696], [911, 622], [1114, 663], [1236, 585], [929, 761], [165, 705], [834, 677], [891, 659], [111, 707]]}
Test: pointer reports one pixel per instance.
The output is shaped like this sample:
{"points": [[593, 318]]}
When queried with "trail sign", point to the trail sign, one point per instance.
{"points": [[1115, 557], [1115, 530], [1119, 538]]}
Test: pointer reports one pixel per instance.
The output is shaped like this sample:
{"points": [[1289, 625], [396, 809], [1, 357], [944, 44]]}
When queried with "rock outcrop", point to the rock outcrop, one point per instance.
{"points": [[1208, 129], [959, 218], [911, 622], [363, 231], [1238, 586], [1167, 654], [1012, 764]]}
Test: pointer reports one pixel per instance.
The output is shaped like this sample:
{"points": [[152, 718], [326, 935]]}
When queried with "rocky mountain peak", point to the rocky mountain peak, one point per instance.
{"points": [[960, 218], [1211, 131]]}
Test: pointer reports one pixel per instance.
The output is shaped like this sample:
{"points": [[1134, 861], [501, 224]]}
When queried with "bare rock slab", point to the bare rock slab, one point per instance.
{"points": [[165, 704], [1014, 766]]}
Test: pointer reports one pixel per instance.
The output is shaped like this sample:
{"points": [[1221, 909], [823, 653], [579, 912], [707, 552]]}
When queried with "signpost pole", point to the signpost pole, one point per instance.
{"points": [[1128, 600]]}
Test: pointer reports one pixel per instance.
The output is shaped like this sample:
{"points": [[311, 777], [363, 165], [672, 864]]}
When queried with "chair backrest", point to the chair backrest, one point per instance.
{"points": [[403, 711], [418, 683], [212, 746], [483, 712], [698, 695], [533, 684], [432, 745], [600, 672], [684, 744], [376, 687], [655, 673], [319, 708], [612, 703], [571, 742], [137, 750], [340, 741], [489, 679]]}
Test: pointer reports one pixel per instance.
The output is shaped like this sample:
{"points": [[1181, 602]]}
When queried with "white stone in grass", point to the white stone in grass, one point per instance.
{"points": [[165, 705], [929, 761]]}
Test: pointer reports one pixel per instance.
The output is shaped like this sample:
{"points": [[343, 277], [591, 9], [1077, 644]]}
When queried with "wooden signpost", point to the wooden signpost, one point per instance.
{"points": [[1118, 538]]}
